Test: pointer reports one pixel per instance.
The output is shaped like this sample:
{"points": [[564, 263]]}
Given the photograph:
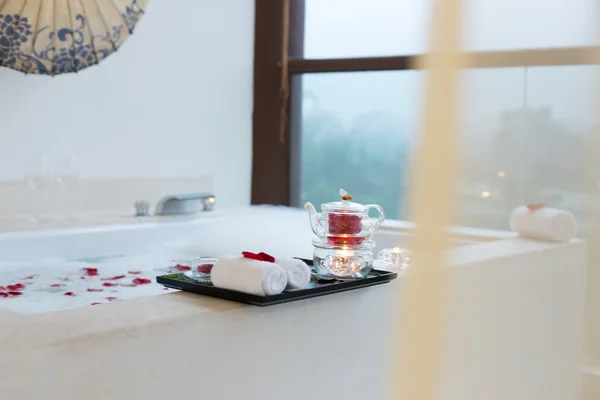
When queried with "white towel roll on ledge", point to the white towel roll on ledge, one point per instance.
{"points": [[246, 275], [548, 224]]}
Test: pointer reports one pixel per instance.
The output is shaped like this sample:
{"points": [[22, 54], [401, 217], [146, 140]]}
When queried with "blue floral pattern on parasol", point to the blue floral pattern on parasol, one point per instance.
{"points": [[63, 51]]}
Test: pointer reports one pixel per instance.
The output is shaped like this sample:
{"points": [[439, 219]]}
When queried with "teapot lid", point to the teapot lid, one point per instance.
{"points": [[345, 205]]}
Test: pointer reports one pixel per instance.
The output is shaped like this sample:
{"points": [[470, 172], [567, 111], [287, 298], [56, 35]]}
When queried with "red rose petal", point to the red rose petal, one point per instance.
{"points": [[2, 288], [30, 277], [95, 290], [252, 256], [267, 257], [90, 271], [114, 278], [57, 285], [180, 267], [262, 256], [17, 286], [205, 268], [142, 281], [14, 293], [109, 284], [5, 295], [63, 279], [535, 207], [95, 304], [165, 288], [134, 272], [112, 299], [70, 294]]}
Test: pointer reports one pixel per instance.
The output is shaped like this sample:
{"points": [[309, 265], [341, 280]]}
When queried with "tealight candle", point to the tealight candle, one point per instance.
{"points": [[343, 262], [396, 258]]}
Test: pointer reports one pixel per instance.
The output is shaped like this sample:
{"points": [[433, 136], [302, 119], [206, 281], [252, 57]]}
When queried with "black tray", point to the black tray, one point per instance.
{"points": [[315, 288]]}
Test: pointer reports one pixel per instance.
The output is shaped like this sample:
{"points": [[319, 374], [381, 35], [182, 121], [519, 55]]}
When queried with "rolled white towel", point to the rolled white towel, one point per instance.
{"points": [[260, 278], [548, 224], [298, 273]]}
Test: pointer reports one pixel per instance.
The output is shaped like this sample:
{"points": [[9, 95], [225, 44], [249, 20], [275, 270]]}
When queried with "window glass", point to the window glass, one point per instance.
{"points": [[361, 28]]}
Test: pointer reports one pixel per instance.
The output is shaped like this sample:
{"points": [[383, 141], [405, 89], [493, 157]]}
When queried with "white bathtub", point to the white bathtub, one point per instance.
{"points": [[515, 331], [51, 270]]}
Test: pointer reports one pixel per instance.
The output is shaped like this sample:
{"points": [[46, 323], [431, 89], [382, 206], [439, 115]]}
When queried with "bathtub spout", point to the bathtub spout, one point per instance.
{"points": [[185, 204]]}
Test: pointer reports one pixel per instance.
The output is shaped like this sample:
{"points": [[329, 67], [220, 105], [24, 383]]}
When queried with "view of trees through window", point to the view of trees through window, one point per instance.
{"points": [[525, 135], [358, 139], [333, 157]]}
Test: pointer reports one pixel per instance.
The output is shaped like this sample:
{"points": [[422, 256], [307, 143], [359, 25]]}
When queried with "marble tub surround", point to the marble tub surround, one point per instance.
{"points": [[503, 293], [137, 238], [86, 219], [87, 201], [515, 326], [591, 381], [166, 342]]}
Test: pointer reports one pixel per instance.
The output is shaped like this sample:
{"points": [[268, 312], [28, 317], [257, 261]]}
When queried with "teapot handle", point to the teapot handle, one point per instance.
{"points": [[380, 219]]}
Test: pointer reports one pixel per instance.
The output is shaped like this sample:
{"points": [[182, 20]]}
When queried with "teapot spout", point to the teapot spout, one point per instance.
{"points": [[315, 221]]}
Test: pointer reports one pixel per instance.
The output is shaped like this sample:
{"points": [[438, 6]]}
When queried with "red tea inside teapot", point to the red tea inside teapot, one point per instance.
{"points": [[344, 222]]}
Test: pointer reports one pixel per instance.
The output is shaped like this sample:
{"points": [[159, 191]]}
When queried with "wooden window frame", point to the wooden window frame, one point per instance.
{"points": [[278, 56]]}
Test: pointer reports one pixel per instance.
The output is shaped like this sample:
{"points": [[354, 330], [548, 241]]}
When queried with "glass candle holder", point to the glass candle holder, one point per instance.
{"points": [[343, 262], [395, 258], [201, 267]]}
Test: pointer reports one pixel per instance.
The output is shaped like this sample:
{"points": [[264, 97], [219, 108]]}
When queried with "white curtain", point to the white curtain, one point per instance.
{"points": [[533, 160]]}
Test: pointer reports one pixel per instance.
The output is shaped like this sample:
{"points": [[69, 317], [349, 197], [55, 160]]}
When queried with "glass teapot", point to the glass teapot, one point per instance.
{"points": [[344, 222]]}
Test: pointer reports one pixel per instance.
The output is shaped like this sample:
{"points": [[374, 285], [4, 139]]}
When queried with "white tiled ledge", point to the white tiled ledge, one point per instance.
{"points": [[468, 234]]}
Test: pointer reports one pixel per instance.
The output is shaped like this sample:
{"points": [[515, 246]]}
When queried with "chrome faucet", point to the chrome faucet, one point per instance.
{"points": [[185, 204]]}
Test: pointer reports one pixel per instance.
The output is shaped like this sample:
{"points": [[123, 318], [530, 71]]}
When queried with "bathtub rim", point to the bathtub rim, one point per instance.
{"points": [[480, 246]]}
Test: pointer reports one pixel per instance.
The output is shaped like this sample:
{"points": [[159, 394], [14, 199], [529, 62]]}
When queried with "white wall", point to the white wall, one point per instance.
{"points": [[176, 100]]}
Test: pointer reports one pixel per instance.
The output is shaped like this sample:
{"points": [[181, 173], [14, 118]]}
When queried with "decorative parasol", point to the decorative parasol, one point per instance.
{"points": [[52, 37]]}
